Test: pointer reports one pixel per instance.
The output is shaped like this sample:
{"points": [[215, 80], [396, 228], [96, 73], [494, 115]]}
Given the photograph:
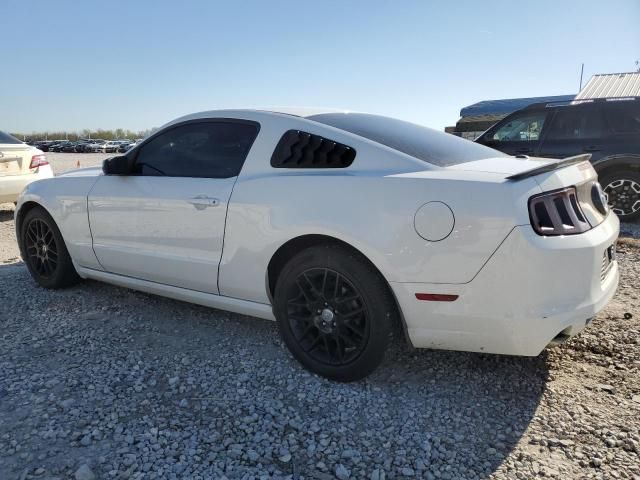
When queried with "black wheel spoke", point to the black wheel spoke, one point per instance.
{"points": [[327, 333], [347, 299], [41, 248], [296, 303], [326, 344], [324, 282], [353, 329], [32, 235], [335, 288], [304, 293], [347, 340], [306, 331], [353, 313], [315, 343], [312, 287], [46, 266], [339, 350], [298, 318]]}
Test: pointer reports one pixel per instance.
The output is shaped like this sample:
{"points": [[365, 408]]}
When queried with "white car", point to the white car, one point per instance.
{"points": [[95, 146], [338, 226], [110, 146], [20, 164]]}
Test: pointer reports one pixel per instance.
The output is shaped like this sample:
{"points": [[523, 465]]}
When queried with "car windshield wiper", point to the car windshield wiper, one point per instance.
{"points": [[152, 168]]}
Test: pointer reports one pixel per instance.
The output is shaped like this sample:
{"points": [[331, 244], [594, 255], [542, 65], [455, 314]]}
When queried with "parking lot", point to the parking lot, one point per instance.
{"points": [[102, 382]]}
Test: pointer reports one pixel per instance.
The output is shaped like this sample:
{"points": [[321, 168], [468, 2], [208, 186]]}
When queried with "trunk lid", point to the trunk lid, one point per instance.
{"points": [[552, 175], [518, 168], [15, 159]]}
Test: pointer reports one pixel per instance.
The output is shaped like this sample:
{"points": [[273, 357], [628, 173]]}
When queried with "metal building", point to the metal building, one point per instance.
{"points": [[478, 117], [611, 85]]}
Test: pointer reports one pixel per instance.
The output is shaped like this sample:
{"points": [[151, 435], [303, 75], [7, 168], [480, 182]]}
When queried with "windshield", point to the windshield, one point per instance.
{"points": [[6, 138], [437, 148]]}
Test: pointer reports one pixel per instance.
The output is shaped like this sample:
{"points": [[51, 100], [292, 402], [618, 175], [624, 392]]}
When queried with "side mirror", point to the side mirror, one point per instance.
{"points": [[486, 140], [116, 166]]}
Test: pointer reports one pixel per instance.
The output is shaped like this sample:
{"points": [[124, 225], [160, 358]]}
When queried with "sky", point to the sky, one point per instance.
{"points": [[70, 65]]}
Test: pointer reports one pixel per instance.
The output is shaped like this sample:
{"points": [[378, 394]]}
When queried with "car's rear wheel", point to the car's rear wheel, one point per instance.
{"points": [[45, 252], [623, 191], [334, 311]]}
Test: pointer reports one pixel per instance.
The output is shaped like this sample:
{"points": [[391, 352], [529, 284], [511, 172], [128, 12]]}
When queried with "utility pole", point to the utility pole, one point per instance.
{"points": [[581, 73]]}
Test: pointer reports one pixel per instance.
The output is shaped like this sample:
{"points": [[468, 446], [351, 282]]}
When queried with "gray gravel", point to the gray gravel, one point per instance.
{"points": [[102, 382], [68, 161]]}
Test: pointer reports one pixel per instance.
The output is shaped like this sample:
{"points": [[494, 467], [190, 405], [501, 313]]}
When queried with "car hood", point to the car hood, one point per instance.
{"points": [[82, 172]]}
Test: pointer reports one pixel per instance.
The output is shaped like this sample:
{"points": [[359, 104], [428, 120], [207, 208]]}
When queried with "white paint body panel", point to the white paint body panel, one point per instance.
{"points": [[531, 289], [516, 290], [243, 307], [145, 227]]}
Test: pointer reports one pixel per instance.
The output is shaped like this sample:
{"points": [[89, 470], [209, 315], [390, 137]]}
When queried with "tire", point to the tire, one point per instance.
{"points": [[44, 251], [622, 186], [334, 312]]}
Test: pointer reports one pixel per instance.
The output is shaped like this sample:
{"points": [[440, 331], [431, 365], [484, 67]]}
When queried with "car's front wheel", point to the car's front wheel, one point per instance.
{"points": [[622, 187], [45, 252], [334, 311]]}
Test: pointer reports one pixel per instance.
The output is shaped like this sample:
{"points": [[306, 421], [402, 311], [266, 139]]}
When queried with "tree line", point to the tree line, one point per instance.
{"points": [[116, 134]]}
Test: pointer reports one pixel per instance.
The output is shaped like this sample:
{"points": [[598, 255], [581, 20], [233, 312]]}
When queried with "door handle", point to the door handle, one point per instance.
{"points": [[591, 148], [202, 201]]}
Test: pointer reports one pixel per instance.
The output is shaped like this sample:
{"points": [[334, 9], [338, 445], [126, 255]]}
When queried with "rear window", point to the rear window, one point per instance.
{"points": [[6, 138], [437, 148], [624, 117]]}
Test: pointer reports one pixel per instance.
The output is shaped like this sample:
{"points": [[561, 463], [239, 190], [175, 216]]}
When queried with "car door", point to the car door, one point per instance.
{"points": [[164, 222], [518, 134], [573, 130]]}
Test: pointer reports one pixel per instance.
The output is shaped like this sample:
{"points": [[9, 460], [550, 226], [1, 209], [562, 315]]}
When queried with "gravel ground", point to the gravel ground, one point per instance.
{"points": [[67, 161], [102, 382]]}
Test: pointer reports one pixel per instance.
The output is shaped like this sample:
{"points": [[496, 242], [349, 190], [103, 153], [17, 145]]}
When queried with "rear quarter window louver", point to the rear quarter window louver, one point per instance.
{"points": [[298, 149]]}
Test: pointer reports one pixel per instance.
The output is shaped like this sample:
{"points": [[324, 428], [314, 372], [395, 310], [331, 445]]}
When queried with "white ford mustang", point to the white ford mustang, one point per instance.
{"points": [[337, 225]]}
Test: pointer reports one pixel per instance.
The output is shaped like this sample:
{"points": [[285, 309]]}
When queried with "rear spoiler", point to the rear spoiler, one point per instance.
{"points": [[548, 167]]}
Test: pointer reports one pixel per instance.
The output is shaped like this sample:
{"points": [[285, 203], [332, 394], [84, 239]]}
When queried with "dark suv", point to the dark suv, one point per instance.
{"points": [[608, 129]]}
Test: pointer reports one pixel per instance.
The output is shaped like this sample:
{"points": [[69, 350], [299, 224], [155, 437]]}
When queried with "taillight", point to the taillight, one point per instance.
{"points": [[38, 161], [557, 213]]}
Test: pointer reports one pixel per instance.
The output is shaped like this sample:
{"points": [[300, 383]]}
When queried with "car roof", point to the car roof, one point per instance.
{"points": [[301, 112], [598, 102]]}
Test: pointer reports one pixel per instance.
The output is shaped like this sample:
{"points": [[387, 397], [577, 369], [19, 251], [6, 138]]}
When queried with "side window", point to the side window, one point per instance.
{"points": [[298, 149], [523, 128], [624, 118], [198, 149], [576, 123]]}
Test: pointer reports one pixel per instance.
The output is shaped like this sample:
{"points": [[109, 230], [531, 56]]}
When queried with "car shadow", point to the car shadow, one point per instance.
{"points": [[6, 212], [438, 411]]}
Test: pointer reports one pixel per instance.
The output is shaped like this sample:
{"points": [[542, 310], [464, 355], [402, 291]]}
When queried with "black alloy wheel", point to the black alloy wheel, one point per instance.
{"points": [[41, 248], [44, 250], [327, 316], [334, 311]]}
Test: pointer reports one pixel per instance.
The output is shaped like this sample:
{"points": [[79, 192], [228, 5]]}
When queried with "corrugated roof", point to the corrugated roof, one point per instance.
{"points": [[611, 85], [509, 105]]}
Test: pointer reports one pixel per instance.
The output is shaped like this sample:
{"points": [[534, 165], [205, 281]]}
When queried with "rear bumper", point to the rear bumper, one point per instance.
{"points": [[531, 290], [12, 185]]}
